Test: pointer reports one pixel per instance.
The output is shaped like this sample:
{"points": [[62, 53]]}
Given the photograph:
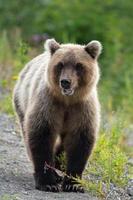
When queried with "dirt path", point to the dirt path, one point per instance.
{"points": [[16, 181]]}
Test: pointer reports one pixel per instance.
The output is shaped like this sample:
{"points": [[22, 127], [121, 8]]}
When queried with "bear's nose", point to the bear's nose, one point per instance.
{"points": [[65, 83]]}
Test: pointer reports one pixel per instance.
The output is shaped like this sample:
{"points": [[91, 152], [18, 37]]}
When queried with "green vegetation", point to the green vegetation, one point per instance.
{"points": [[6, 105], [108, 163], [8, 197], [80, 21]]}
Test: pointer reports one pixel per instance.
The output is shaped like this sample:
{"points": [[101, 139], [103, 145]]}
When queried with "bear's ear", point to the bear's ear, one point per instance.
{"points": [[51, 45], [94, 48]]}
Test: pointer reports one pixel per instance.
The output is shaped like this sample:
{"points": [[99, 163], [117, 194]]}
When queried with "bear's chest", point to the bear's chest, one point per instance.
{"points": [[67, 119]]}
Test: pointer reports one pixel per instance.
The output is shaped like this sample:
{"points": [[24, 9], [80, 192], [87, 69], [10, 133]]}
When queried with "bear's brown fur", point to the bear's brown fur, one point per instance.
{"points": [[56, 97]]}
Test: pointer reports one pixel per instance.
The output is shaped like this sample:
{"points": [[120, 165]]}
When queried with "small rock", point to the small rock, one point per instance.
{"points": [[25, 192], [130, 191], [13, 132]]}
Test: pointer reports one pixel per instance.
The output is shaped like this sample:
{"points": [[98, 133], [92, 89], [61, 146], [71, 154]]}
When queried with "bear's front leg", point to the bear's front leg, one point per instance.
{"points": [[40, 141], [78, 151]]}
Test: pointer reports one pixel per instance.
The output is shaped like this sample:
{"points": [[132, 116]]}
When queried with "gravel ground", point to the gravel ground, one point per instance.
{"points": [[16, 181]]}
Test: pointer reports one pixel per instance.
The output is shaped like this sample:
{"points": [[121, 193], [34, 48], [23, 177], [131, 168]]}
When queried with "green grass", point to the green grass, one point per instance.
{"points": [[6, 105], [8, 197], [108, 163], [11, 62], [12, 59], [6, 52]]}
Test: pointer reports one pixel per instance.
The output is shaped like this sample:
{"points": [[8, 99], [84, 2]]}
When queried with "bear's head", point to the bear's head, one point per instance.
{"points": [[73, 69]]}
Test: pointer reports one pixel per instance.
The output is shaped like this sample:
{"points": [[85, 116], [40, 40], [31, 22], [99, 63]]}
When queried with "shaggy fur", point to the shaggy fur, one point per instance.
{"points": [[47, 113]]}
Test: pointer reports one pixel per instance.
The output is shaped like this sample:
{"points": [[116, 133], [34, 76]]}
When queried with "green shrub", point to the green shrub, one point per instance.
{"points": [[108, 163]]}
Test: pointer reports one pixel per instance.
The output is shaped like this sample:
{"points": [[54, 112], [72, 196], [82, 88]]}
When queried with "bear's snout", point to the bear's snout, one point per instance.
{"points": [[65, 83], [66, 87]]}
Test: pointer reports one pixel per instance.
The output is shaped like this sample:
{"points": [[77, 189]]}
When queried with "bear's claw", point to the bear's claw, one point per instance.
{"points": [[49, 188], [73, 188]]}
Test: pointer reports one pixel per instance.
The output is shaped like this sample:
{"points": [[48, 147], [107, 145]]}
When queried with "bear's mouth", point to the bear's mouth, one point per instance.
{"points": [[67, 92]]}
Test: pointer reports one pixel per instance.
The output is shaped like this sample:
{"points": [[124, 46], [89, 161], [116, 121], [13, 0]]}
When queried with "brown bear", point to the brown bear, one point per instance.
{"points": [[56, 100]]}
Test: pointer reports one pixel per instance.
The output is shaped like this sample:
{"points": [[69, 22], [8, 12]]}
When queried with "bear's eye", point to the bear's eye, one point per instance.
{"points": [[79, 68], [59, 67]]}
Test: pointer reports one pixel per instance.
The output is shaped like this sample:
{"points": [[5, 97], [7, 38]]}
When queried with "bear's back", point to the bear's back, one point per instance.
{"points": [[30, 79]]}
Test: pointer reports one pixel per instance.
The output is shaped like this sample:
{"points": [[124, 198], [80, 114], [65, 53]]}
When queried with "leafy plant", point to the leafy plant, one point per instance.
{"points": [[108, 164]]}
